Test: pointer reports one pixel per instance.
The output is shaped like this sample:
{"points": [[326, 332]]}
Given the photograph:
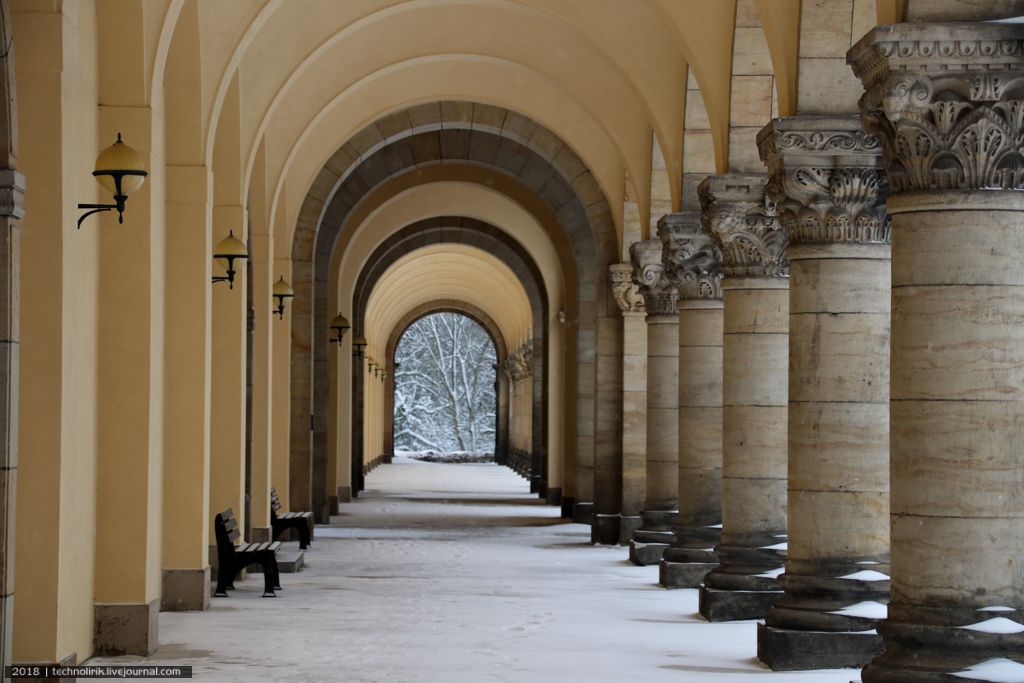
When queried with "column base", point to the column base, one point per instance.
{"points": [[332, 505], [583, 513], [568, 505], [674, 575], [185, 590], [321, 513], [941, 651], [535, 483], [260, 534], [605, 530], [735, 605], [344, 494], [126, 629], [786, 650], [645, 554], [628, 524], [70, 660], [553, 496]]}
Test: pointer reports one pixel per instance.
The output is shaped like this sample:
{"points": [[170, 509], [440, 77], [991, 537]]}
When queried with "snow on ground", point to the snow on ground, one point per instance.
{"points": [[454, 573]]}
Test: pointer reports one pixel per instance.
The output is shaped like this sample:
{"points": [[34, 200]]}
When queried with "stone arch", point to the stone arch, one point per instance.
{"points": [[481, 318], [451, 230], [449, 133]]}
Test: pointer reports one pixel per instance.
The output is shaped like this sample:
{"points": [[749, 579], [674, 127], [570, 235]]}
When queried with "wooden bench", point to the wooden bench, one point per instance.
{"points": [[232, 558], [300, 521]]}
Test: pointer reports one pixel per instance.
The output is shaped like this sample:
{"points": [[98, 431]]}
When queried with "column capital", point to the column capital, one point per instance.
{"points": [[519, 364], [691, 258], [946, 102], [12, 193], [825, 177], [660, 294], [626, 292], [744, 225]]}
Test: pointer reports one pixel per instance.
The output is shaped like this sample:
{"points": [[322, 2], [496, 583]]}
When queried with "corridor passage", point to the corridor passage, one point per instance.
{"points": [[454, 573]]}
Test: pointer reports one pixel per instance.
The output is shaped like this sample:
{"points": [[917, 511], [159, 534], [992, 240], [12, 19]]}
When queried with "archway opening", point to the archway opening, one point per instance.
{"points": [[446, 390]]}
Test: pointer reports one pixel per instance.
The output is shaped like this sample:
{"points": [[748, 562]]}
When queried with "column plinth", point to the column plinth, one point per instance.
{"points": [[654, 535], [944, 101], [694, 264], [827, 183], [755, 356]]}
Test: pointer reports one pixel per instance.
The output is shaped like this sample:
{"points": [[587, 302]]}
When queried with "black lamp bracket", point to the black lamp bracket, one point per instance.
{"points": [[119, 198]]}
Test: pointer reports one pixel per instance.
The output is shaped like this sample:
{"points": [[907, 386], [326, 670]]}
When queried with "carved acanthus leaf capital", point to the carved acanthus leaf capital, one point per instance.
{"points": [[825, 178], [626, 292], [947, 102], [691, 258], [12, 193], [659, 292], [744, 224], [519, 364]]}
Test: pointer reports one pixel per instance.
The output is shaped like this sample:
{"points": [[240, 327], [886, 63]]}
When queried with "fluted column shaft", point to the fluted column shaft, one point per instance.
{"points": [[952, 149], [755, 356], [825, 178]]}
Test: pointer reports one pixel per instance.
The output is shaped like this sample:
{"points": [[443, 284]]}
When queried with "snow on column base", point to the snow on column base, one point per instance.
{"points": [[683, 574], [786, 650], [987, 647], [735, 605], [644, 554], [605, 530], [583, 513]]}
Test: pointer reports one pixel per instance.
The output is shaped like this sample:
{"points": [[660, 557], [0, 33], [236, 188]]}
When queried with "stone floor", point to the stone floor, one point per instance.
{"points": [[445, 572]]}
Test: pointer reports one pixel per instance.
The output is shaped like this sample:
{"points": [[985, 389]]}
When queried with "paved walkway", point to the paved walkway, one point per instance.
{"points": [[454, 573]]}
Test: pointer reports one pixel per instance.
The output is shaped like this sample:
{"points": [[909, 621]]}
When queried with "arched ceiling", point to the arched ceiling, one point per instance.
{"points": [[448, 271], [604, 75], [426, 201]]}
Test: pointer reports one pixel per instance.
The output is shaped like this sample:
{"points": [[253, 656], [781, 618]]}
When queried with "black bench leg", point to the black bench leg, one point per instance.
{"points": [[222, 583], [268, 577], [303, 535]]}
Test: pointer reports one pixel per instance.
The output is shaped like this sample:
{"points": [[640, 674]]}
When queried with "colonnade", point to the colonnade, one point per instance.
{"points": [[878, 241]]}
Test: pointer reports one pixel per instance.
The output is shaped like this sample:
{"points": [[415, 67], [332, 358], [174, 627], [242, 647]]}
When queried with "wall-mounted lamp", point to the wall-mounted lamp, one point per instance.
{"points": [[282, 292], [338, 328], [561, 317], [371, 366], [119, 169], [229, 250], [358, 345]]}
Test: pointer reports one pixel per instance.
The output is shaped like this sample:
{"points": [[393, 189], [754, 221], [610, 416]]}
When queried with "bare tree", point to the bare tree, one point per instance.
{"points": [[444, 386]]}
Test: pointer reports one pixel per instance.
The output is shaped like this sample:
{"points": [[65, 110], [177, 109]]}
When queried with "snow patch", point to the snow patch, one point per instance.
{"points": [[867, 575], [777, 546], [999, 670], [772, 573], [996, 608], [1000, 625], [869, 609]]}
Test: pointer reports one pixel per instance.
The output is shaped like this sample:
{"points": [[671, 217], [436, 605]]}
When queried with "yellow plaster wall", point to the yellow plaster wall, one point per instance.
{"points": [[57, 94]]}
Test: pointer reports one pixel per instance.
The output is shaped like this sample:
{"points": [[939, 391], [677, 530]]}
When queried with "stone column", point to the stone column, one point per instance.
{"points": [[634, 398], [12, 208], [694, 264], [661, 494], [825, 178], [946, 102], [755, 359]]}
